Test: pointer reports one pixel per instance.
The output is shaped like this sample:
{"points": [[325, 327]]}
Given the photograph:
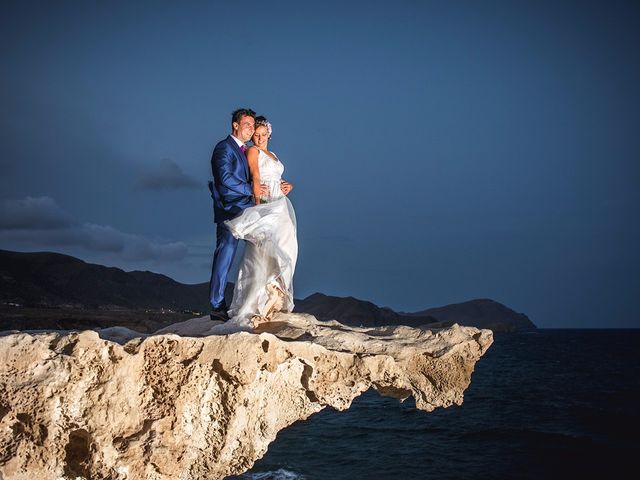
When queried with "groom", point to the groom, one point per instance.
{"points": [[231, 192]]}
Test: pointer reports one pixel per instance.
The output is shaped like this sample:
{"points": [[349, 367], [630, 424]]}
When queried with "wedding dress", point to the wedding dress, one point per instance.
{"points": [[265, 278]]}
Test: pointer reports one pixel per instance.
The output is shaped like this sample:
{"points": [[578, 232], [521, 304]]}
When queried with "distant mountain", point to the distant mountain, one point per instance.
{"points": [[481, 313], [51, 279], [354, 312], [54, 280]]}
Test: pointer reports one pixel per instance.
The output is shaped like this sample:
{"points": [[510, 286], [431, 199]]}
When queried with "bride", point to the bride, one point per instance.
{"points": [[265, 279]]}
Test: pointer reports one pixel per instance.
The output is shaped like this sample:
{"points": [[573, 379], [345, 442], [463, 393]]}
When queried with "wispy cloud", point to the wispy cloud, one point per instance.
{"points": [[167, 175], [32, 213], [40, 223]]}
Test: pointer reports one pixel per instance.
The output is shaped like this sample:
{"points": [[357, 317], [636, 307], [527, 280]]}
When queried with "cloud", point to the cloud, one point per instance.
{"points": [[132, 247], [41, 223], [32, 213], [167, 176]]}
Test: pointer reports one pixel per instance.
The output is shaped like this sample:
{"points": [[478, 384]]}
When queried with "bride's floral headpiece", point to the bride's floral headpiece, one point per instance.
{"points": [[265, 123]]}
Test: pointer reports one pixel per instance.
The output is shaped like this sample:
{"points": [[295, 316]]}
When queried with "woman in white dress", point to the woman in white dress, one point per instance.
{"points": [[265, 279]]}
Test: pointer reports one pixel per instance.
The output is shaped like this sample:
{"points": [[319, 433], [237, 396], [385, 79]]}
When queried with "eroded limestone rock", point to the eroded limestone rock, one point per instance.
{"points": [[171, 406]]}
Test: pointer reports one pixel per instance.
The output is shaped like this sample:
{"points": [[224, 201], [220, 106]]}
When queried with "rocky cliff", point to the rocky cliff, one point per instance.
{"points": [[118, 405]]}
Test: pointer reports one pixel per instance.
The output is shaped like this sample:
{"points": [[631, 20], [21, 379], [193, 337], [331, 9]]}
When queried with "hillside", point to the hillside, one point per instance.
{"points": [[51, 279], [354, 312], [480, 313], [90, 295]]}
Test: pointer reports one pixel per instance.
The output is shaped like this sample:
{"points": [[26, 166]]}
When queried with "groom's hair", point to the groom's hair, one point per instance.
{"points": [[237, 115]]}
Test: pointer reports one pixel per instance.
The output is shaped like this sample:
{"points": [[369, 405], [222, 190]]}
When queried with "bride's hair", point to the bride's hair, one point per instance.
{"points": [[262, 121]]}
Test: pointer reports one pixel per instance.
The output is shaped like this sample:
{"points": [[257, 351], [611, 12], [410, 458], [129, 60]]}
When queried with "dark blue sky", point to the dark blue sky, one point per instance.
{"points": [[441, 151]]}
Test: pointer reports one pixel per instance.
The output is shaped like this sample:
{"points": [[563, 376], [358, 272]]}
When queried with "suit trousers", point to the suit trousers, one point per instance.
{"points": [[226, 246]]}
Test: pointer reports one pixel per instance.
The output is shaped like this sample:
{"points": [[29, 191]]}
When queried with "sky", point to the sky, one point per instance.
{"points": [[439, 151]]}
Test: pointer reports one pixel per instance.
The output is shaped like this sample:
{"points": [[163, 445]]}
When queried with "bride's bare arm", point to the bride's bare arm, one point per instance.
{"points": [[252, 158]]}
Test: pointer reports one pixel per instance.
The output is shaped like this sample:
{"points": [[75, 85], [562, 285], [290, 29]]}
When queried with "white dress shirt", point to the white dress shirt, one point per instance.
{"points": [[239, 142]]}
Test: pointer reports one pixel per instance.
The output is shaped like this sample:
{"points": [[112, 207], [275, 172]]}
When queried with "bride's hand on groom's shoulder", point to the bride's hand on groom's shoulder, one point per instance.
{"points": [[285, 186]]}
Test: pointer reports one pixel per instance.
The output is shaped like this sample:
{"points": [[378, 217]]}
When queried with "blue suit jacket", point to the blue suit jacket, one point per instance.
{"points": [[231, 186]]}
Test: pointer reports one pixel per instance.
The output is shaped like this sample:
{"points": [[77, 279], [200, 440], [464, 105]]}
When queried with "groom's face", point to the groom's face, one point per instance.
{"points": [[243, 130]]}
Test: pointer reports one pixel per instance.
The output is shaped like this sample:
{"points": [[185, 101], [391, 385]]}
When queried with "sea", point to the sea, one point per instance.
{"points": [[541, 405]]}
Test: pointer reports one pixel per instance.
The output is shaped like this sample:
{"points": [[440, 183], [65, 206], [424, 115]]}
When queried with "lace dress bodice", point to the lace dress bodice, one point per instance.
{"points": [[270, 174]]}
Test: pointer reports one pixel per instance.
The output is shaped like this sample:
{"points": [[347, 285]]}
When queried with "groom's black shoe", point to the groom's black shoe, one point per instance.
{"points": [[219, 313]]}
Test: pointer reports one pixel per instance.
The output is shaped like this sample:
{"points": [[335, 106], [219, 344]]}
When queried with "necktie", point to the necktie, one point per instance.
{"points": [[243, 148]]}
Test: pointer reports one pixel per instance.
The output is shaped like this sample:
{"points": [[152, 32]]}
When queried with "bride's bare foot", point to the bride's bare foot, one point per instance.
{"points": [[258, 320], [275, 304], [276, 300]]}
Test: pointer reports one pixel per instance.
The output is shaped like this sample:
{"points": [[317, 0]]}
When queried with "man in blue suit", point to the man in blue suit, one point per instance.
{"points": [[231, 192]]}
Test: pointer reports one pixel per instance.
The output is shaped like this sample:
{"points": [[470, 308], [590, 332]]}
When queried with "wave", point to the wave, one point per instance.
{"points": [[280, 474]]}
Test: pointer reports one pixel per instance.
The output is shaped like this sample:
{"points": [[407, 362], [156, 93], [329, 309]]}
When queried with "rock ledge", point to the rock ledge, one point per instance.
{"points": [[171, 406]]}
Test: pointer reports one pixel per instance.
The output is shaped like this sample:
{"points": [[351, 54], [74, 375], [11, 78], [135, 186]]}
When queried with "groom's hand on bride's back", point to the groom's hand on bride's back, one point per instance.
{"points": [[286, 187]]}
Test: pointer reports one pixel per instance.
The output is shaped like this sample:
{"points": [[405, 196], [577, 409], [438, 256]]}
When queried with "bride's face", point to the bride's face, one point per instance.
{"points": [[260, 137]]}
